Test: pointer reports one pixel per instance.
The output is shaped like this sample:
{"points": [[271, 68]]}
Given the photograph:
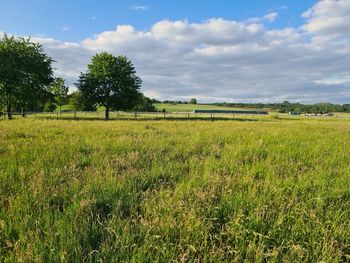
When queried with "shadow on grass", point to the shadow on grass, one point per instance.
{"points": [[159, 119]]}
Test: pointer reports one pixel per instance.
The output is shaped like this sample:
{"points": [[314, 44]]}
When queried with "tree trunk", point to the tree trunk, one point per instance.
{"points": [[23, 112], [9, 111], [107, 113]]}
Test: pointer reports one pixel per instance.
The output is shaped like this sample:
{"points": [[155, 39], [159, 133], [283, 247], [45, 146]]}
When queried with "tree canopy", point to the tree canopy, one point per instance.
{"points": [[110, 81], [60, 92], [25, 73]]}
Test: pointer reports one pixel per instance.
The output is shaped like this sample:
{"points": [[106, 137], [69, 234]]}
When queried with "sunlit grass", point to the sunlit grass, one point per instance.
{"points": [[196, 191]]}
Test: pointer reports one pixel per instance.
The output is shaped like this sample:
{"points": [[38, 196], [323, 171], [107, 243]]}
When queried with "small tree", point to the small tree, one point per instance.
{"points": [[60, 92], [79, 102], [25, 73], [110, 81], [145, 104], [50, 107], [193, 101]]}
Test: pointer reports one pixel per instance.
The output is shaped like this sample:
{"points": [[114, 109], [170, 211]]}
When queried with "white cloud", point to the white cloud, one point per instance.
{"points": [[221, 60], [93, 18], [139, 7], [283, 7], [328, 19], [334, 81], [65, 28], [270, 17]]}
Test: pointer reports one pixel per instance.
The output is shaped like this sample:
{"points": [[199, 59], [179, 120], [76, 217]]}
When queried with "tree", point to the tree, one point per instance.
{"points": [[79, 102], [25, 74], [110, 81], [145, 105], [60, 92], [193, 101], [50, 107]]}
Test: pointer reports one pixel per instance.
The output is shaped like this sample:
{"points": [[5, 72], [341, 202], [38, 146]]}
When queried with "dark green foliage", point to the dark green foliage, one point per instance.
{"points": [[81, 103], [50, 107], [193, 101], [110, 81], [25, 74], [60, 92], [145, 105]]}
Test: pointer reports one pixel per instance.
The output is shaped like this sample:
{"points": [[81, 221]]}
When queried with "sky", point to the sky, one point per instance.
{"points": [[215, 51]]}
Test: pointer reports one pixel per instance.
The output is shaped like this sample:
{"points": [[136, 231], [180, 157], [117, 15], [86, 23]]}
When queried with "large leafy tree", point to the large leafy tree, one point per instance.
{"points": [[60, 92], [25, 74], [110, 81]]}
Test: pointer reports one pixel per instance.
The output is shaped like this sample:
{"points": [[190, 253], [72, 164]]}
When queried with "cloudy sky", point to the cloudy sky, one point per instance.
{"points": [[233, 51]]}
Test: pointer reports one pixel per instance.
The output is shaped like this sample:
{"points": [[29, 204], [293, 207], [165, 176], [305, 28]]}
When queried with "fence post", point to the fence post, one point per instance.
{"points": [[75, 114], [164, 114], [135, 114], [188, 115]]}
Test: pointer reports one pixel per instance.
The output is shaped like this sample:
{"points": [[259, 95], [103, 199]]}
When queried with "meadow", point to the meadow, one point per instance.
{"points": [[172, 107], [191, 107], [264, 190]]}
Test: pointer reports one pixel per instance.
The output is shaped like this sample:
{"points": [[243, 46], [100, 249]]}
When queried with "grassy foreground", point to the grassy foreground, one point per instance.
{"points": [[185, 191]]}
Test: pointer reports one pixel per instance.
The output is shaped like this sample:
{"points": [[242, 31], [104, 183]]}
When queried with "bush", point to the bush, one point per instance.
{"points": [[50, 107]]}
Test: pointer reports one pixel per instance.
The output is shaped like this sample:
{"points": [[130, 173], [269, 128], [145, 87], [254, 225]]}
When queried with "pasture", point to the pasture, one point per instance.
{"points": [[175, 191], [191, 107]]}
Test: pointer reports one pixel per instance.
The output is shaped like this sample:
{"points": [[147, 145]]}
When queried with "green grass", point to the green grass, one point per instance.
{"points": [[171, 107], [190, 107], [163, 191]]}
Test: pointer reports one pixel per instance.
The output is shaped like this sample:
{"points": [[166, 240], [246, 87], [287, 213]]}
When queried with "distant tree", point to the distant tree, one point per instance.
{"points": [[79, 102], [25, 74], [60, 92], [193, 101], [145, 104], [110, 81]]}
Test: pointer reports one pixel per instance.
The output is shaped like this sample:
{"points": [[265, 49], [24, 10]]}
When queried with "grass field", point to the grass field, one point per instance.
{"points": [[271, 190], [191, 107], [172, 107]]}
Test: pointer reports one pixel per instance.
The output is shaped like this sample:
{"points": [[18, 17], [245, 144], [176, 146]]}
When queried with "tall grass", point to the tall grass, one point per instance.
{"points": [[184, 191]]}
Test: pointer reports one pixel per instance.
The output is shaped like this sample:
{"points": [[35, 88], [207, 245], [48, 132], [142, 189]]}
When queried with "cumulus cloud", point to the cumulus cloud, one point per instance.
{"points": [[328, 19], [221, 60]]}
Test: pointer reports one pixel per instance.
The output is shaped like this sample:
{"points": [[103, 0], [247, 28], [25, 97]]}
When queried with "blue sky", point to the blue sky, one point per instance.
{"points": [[228, 50], [76, 20]]}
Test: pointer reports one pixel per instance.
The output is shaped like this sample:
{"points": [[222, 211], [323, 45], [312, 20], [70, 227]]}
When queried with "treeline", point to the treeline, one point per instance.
{"points": [[287, 106], [283, 107], [27, 82]]}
